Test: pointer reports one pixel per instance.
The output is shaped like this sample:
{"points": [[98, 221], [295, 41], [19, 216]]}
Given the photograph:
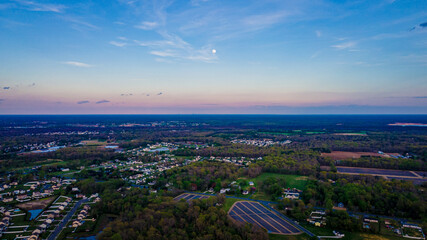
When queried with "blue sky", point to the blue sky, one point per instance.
{"points": [[207, 56]]}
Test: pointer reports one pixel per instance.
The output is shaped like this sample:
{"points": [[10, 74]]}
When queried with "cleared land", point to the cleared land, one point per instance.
{"points": [[416, 177], [37, 204], [255, 213], [341, 155], [350, 134]]}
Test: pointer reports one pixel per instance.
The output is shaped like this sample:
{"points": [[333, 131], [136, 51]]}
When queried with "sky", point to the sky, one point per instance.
{"points": [[211, 56]]}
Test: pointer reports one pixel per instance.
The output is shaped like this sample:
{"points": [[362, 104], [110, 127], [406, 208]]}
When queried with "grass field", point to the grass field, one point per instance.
{"points": [[229, 202], [288, 237], [292, 181], [348, 235], [94, 143]]}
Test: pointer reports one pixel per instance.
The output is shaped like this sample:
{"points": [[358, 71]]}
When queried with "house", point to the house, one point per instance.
{"points": [[76, 224], [251, 183], [292, 194], [224, 190], [6, 200], [245, 192]]}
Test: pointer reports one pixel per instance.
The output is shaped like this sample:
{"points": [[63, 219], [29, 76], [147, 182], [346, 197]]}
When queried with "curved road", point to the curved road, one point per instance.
{"points": [[64, 221]]}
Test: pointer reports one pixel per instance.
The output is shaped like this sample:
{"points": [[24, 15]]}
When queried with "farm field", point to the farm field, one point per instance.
{"points": [[341, 155], [378, 172]]}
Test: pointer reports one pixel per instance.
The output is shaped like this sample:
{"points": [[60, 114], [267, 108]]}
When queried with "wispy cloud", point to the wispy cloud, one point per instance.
{"points": [[163, 53], [146, 25], [78, 64], [102, 101], [40, 7], [345, 46], [82, 102], [79, 23], [173, 46], [118, 44], [255, 22]]}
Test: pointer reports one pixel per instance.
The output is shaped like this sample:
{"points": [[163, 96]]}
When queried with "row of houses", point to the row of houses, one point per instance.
{"points": [[37, 190], [81, 216]]}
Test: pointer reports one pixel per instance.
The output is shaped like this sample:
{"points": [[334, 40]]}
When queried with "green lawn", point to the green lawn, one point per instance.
{"points": [[292, 181], [288, 237], [324, 231], [229, 202]]}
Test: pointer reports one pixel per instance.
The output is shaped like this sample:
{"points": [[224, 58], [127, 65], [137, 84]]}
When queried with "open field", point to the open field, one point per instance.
{"points": [[325, 231], [288, 237], [341, 155], [255, 213], [93, 143], [350, 134], [375, 171], [417, 177], [292, 181], [37, 204]]}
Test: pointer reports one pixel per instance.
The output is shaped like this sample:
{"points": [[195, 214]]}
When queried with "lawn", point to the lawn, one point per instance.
{"points": [[288, 237], [229, 202], [292, 181], [324, 231]]}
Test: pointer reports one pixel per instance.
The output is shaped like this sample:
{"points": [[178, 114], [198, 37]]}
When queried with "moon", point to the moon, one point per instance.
{"points": [[213, 51]]}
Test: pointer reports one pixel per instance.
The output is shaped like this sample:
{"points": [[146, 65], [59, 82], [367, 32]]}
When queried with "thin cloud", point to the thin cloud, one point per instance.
{"points": [[147, 25], [345, 46], [163, 53], [173, 46], [78, 64], [79, 23], [318, 33], [82, 102], [118, 44], [102, 101], [40, 7], [264, 20]]}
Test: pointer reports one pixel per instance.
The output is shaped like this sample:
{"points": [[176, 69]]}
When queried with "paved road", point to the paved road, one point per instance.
{"points": [[64, 222]]}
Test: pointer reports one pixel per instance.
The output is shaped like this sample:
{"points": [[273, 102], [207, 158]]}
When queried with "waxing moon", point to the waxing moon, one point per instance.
{"points": [[213, 51]]}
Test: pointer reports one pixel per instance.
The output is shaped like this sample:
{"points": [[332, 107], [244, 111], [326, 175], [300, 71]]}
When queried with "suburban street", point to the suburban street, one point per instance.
{"points": [[64, 221]]}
